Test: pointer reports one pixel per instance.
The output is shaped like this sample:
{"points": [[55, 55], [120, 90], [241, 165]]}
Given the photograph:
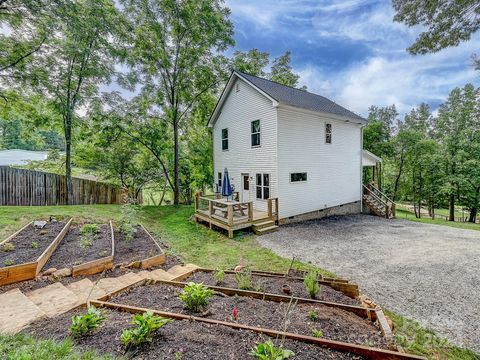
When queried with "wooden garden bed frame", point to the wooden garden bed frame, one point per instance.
{"points": [[153, 260], [28, 271], [98, 265], [368, 352]]}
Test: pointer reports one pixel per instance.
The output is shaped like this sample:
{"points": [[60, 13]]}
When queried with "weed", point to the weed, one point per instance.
{"points": [[313, 314], [219, 276], [103, 253], [147, 323], [128, 221], [244, 279], [89, 229], [8, 246], [311, 284], [86, 323], [195, 296], [9, 262], [86, 242], [178, 355], [268, 351], [317, 333], [34, 245]]}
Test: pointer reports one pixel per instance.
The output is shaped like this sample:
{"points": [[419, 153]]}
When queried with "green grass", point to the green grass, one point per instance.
{"points": [[202, 246], [404, 214]]}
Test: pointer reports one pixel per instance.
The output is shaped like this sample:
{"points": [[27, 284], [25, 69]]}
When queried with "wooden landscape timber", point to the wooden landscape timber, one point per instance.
{"points": [[365, 351], [28, 271], [360, 311], [341, 285], [153, 260], [98, 265]]}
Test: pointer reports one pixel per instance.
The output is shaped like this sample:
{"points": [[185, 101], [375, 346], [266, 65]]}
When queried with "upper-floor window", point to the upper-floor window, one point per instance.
{"points": [[256, 133], [298, 177], [224, 139], [263, 186], [328, 133]]}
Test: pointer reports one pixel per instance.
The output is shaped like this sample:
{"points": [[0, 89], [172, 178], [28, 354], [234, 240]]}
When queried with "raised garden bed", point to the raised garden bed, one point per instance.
{"points": [[141, 252], [24, 253], [274, 285], [87, 249]]}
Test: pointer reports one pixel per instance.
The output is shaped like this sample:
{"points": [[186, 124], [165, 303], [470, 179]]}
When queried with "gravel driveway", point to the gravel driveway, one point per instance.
{"points": [[430, 273]]}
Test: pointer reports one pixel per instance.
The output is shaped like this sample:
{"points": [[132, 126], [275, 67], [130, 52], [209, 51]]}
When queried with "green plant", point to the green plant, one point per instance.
{"points": [[317, 333], [34, 245], [219, 276], [127, 223], [86, 242], [103, 253], [244, 279], [86, 323], [8, 246], [311, 284], [146, 324], [195, 296], [313, 314], [89, 229], [9, 262], [178, 355], [268, 351]]}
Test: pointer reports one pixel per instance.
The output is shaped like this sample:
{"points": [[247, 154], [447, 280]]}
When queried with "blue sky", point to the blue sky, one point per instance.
{"points": [[352, 52]]}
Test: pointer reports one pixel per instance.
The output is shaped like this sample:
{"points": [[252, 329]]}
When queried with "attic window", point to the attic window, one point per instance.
{"points": [[255, 133], [237, 87], [328, 133]]}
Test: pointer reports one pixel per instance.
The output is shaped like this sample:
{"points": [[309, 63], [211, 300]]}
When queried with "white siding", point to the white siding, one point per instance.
{"points": [[238, 111], [333, 169]]}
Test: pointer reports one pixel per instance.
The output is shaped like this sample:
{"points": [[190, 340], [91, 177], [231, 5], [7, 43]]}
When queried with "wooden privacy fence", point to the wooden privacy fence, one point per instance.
{"points": [[23, 187]]}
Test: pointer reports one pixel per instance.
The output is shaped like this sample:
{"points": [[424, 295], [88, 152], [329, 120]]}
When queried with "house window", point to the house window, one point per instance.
{"points": [[220, 180], [256, 133], [328, 133], [298, 177], [263, 186], [224, 139]]}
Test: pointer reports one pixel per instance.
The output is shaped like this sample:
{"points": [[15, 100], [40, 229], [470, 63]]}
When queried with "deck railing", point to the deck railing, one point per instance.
{"points": [[272, 208], [228, 213], [390, 206]]}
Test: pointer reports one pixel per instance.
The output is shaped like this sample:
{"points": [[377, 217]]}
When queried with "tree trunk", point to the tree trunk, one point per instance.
{"points": [[176, 179], [163, 193], [397, 179], [473, 215], [451, 207], [68, 160]]}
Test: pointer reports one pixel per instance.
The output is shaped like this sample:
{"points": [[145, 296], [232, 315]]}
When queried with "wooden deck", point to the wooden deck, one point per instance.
{"points": [[232, 215]]}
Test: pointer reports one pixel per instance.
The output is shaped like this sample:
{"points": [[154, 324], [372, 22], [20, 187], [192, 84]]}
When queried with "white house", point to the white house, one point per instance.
{"points": [[285, 143]]}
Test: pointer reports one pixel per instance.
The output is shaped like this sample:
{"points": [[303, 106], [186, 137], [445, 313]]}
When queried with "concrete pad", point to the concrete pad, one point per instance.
{"points": [[54, 299], [16, 312]]}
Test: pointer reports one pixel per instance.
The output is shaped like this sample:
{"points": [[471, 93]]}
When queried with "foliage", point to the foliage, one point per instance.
{"points": [[317, 333], [8, 246], [34, 245], [8, 262], [128, 221], [219, 276], [89, 229], [86, 323], [195, 296], [146, 325], [244, 279], [313, 314], [446, 23], [268, 351], [311, 284]]}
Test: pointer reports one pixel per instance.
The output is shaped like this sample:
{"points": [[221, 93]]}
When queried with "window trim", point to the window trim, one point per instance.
{"points": [[255, 133], [262, 186], [225, 139], [299, 181], [219, 179], [328, 134]]}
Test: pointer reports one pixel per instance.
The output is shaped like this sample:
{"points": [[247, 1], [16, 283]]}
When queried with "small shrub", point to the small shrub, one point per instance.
{"points": [[128, 221], [147, 323], [34, 245], [311, 284], [9, 262], [313, 314], [317, 333], [244, 279], [268, 351], [219, 276], [195, 296], [86, 323], [89, 229], [8, 246]]}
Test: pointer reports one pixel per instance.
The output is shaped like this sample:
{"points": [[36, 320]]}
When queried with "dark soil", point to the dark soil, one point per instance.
{"points": [[189, 339], [274, 285], [335, 324], [24, 251], [70, 252], [139, 248]]}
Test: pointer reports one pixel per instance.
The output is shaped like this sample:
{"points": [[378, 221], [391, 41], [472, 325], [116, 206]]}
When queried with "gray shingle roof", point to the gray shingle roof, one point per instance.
{"points": [[298, 98]]}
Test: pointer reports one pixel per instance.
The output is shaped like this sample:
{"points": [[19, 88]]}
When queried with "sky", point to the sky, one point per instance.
{"points": [[352, 52]]}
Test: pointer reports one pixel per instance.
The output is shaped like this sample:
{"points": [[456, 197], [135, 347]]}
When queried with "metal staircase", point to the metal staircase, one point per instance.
{"points": [[378, 203]]}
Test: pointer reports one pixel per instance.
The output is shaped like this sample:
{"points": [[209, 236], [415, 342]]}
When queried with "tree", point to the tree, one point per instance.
{"points": [[281, 71], [252, 62], [448, 22], [175, 55]]}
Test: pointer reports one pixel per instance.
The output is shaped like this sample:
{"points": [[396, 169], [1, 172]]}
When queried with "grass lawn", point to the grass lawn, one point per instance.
{"points": [[197, 244], [405, 214]]}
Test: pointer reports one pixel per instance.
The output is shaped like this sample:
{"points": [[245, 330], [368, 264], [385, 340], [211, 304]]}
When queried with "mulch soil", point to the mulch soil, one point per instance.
{"points": [[183, 338], [139, 248], [335, 324], [274, 285], [70, 252], [24, 252]]}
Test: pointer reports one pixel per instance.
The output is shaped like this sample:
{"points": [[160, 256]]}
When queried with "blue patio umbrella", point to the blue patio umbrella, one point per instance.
{"points": [[226, 187]]}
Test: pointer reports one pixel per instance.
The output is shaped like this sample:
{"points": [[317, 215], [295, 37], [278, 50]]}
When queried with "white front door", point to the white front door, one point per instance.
{"points": [[245, 187]]}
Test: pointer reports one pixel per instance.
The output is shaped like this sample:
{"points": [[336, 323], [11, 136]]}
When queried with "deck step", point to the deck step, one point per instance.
{"points": [[54, 299], [16, 312], [263, 224], [266, 230]]}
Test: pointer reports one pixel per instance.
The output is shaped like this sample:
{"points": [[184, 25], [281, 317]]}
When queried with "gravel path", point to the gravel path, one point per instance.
{"points": [[426, 272]]}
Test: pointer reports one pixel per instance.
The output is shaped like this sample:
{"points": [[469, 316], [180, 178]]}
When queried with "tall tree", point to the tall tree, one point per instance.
{"points": [[282, 71], [252, 62], [175, 54], [447, 22]]}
